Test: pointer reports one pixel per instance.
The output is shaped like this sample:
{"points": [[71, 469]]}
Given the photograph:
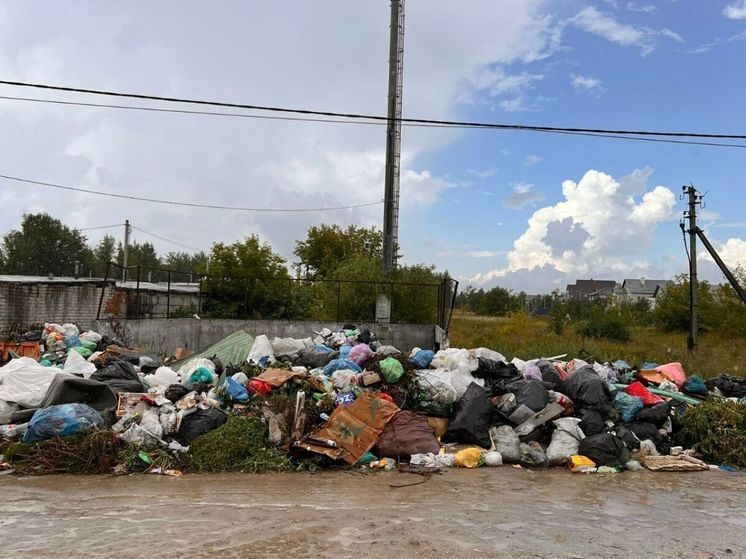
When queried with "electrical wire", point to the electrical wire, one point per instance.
{"points": [[101, 227], [186, 204], [182, 245], [500, 126], [354, 122]]}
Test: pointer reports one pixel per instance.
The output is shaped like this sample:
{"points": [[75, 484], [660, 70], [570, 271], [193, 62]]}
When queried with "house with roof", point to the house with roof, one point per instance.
{"points": [[590, 289], [634, 290]]}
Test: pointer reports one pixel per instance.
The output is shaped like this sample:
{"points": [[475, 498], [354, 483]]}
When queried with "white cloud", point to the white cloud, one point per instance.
{"points": [[707, 47], [586, 83], [141, 47], [532, 160], [516, 104], [494, 81], [484, 253], [504, 151], [598, 23], [635, 7], [733, 253], [603, 226], [482, 173], [522, 194], [736, 10]]}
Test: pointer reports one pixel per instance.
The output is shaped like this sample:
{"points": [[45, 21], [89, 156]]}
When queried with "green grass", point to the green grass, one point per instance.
{"points": [[521, 335]]}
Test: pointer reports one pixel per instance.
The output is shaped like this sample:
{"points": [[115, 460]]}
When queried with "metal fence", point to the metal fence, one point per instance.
{"points": [[247, 296]]}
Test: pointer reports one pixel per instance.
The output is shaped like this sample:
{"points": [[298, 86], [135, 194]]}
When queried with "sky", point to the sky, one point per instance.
{"points": [[518, 209]]}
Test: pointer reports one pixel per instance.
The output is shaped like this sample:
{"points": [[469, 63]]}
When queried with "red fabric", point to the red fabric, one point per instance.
{"points": [[387, 397], [259, 387], [639, 390]]}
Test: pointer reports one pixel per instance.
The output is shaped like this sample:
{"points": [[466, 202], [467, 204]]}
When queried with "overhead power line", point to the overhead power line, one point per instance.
{"points": [[350, 122], [186, 204], [499, 126], [100, 227], [182, 245]]}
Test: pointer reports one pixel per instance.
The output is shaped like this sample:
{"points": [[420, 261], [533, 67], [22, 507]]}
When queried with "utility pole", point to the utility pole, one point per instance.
{"points": [[691, 214], [393, 137], [126, 248]]}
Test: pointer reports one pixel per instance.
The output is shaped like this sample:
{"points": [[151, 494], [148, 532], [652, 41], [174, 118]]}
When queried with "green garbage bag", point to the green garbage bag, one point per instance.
{"points": [[84, 351], [200, 375], [88, 344], [391, 370]]}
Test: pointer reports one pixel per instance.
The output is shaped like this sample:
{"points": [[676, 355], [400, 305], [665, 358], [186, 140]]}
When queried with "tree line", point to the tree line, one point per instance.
{"points": [[337, 272]]}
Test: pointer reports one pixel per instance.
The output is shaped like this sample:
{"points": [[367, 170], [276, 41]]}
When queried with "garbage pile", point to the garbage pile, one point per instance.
{"points": [[91, 405]]}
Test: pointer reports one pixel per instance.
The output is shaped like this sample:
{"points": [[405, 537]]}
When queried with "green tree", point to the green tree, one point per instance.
{"points": [[184, 264], [672, 307], [145, 256], [44, 245], [247, 279], [326, 247], [104, 253]]}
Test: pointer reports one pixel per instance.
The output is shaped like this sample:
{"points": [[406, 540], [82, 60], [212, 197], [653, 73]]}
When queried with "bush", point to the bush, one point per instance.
{"points": [[717, 429], [605, 327], [240, 445]]}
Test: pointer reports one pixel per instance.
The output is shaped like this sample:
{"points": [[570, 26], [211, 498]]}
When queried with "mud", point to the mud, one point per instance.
{"points": [[502, 512]]}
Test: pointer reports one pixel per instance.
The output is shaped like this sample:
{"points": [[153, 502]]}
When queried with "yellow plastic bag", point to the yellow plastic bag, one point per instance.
{"points": [[468, 458], [579, 463]]}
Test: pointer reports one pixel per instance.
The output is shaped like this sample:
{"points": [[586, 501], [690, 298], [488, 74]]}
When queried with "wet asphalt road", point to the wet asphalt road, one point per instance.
{"points": [[489, 512]]}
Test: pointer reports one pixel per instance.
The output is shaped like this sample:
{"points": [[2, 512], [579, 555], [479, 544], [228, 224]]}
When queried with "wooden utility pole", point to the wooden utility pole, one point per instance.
{"points": [[125, 248], [691, 214]]}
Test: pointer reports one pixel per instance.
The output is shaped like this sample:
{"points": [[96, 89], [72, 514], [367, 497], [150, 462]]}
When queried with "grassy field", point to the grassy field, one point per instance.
{"points": [[529, 337]]}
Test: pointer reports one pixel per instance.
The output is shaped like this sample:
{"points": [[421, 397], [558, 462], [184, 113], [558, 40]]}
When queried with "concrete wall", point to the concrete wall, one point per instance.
{"points": [[161, 337], [34, 303]]}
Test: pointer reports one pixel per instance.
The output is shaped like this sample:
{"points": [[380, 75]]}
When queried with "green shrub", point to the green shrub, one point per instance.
{"points": [[605, 327], [717, 429]]}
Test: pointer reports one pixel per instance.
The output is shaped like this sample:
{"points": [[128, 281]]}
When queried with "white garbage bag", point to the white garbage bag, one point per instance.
{"points": [[565, 440], [261, 352], [488, 354], [186, 370], [163, 376], [25, 382], [76, 364], [289, 346]]}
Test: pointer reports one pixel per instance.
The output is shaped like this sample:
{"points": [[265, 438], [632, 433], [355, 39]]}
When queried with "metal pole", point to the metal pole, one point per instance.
{"points": [[103, 289], [137, 296], [393, 136], [125, 249], [693, 340], [168, 297], [723, 268]]}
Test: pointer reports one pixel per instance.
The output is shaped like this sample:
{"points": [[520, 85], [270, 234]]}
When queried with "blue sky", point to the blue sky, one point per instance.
{"points": [[492, 207]]}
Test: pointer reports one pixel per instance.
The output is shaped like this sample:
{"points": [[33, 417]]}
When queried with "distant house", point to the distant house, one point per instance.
{"points": [[634, 290], [589, 290]]}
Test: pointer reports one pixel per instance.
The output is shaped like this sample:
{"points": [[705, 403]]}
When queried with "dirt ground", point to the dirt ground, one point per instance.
{"points": [[489, 512]]}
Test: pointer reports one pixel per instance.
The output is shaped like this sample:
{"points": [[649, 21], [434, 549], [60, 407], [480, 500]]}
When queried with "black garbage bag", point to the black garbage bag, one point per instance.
{"points": [[471, 424], [605, 449], [549, 374], [314, 358], [176, 392], [106, 341], [591, 421], [120, 376], [497, 375], [731, 387], [644, 431], [586, 389], [630, 440], [530, 393], [656, 414], [73, 390], [365, 337], [218, 364], [198, 423], [533, 455]]}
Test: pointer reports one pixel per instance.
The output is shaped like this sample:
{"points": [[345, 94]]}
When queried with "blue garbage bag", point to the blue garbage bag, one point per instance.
{"points": [[72, 341], [695, 385], [235, 390], [338, 364], [423, 358], [627, 406], [62, 421], [324, 348], [344, 351]]}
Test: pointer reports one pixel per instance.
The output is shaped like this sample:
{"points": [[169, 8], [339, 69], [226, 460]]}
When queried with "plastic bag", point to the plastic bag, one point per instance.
{"points": [[75, 364], [695, 386], [69, 330], [605, 449], [188, 368], [406, 434], [261, 352], [431, 460], [627, 406], [344, 351], [455, 360], [337, 364], [120, 376], [657, 414], [532, 372], [83, 351], [235, 390], [176, 392], [242, 379], [468, 458], [506, 442], [89, 345], [648, 398], [587, 390], [391, 370], [201, 376], [471, 424], [493, 458], [360, 354], [488, 354], [91, 336], [343, 378], [62, 421], [289, 346], [422, 358], [138, 434], [565, 440], [259, 387], [151, 422], [163, 376], [533, 455]]}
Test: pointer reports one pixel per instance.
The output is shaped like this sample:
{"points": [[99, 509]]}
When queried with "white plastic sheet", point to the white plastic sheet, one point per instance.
{"points": [[163, 376], [489, 354], [289, 346], [444, 386], [261, 351], [25, 382], [76, 364]]}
